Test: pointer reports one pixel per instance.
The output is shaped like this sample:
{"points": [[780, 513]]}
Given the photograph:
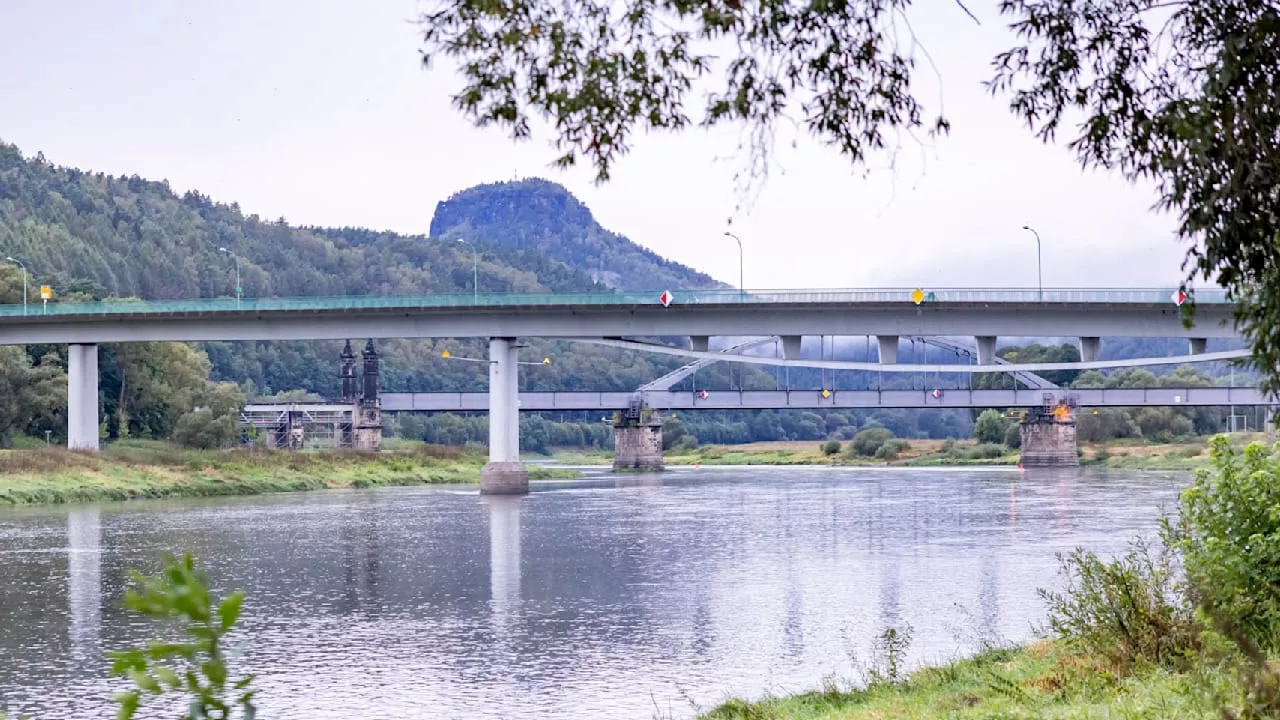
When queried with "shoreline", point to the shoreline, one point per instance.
{"points": [[1117, 454], [1044, 678], [150, 470]]}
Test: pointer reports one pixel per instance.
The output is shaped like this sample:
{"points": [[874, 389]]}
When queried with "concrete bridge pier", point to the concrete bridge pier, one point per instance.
{"points": [[504, 474], [887, 345], [82, 397]]}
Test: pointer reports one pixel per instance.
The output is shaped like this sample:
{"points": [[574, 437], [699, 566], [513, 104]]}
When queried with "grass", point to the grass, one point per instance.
{"points": [[148, 469], [1043, 680]]}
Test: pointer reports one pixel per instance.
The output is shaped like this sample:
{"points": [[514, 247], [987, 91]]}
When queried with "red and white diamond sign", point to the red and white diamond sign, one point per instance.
{"points": [[703, 395], [666, 298], [1179, 297]]}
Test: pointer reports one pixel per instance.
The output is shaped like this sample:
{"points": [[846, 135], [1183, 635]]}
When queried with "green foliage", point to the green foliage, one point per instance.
{"points": [[212, 424], [831, 447], [1230, 540], [889, 655], [869, 441], [1126, 610], [195, 666], [602, 74], [990, 427], [1013, 436], [891, 448], [33, 396], [1186, 99]]}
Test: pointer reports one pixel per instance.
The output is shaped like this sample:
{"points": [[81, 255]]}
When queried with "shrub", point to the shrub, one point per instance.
{"points": [[990, 427], [985, 451], [831, 447], [891, 448], [1230, 540], [1125, 610], [868, 442], [1013, 437], [948, 445]]}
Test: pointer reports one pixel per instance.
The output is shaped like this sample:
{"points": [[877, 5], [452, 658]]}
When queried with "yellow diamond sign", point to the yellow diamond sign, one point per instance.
{"points": [[917, 296], [826, 393]]}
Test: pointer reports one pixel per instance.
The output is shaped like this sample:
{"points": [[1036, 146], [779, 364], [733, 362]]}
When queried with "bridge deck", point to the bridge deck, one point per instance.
{"points": [[780, 399]]}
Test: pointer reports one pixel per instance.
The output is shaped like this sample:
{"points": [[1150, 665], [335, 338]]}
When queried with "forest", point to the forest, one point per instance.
{"points": [[91, 236]]}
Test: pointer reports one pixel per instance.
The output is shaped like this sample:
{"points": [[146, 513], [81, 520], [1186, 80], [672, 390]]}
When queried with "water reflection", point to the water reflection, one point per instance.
{"points": [[84, 584], [600, 598], [504, 555]]}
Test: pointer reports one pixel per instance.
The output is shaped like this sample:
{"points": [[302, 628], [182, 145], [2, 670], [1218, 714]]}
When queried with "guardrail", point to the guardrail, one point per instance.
{"points": [[678, 298]]}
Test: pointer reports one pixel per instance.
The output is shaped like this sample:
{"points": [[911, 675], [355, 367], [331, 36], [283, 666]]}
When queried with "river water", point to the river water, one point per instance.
{"points": [[630, 597]]}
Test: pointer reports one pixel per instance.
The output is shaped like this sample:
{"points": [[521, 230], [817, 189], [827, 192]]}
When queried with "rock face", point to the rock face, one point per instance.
{"points": [[1048, 442], [637, 447]]}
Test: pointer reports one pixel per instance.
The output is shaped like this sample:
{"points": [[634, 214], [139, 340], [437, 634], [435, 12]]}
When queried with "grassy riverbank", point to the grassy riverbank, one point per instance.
{"points": [[139, 469], [1044, 680], [1124, 454]]}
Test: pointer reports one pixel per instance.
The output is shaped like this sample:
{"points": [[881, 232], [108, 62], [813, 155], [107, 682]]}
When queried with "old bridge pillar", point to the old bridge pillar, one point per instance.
{"points": [[637, 438], [1048, 436]]}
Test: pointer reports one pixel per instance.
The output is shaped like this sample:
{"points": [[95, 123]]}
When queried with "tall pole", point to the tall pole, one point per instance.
{"points": [[742, 288], [475, 271], [22, 265], [1039, 275], [236, 259]]}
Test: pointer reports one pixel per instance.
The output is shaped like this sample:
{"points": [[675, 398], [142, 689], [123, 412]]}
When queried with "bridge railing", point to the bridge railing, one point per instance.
{"points": [[680, 297]]}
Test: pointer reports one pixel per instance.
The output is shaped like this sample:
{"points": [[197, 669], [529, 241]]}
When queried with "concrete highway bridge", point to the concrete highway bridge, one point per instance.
{"points": [[888, 314]]}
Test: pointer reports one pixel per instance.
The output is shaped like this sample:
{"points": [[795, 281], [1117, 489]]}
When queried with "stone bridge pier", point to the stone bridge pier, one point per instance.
{"points": [[504, 474]]}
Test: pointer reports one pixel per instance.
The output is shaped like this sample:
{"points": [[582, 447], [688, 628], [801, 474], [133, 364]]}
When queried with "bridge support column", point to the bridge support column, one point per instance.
{"points": [[1089, 348], [504, 475], [791, 347], [699, 343], [888, 346], [1198, 345], [986, 350], [82, 397]]}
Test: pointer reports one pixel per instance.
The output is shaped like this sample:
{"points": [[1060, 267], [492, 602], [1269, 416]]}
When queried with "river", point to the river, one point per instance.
{"points": [[619, 597]]}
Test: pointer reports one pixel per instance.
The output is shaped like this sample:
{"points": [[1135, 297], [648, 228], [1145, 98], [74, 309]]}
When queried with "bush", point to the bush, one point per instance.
{"points": [[868, 442], [831, 447], [990, 427], [985, 451], [948, 445], [1125, 610], [1013, 437], [1230, 540], [891, 448]]}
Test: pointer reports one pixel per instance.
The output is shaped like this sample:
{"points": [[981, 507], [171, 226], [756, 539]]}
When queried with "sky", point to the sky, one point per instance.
{"points": [[319, 111]]}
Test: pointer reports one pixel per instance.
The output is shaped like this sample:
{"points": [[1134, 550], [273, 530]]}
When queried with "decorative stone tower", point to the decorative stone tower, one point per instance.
{"points": [[637, 438], [368, 411], [348, 375]]}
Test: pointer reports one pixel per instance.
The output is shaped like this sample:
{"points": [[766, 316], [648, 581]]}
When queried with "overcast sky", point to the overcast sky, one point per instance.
{"points": [[319, 111]]}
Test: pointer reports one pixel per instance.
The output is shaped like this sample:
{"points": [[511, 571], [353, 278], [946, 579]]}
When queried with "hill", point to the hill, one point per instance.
{"points": [[540, 215]]}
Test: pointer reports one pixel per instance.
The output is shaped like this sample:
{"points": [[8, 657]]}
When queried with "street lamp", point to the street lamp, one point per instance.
{"points": [[1039, 275], [236, 259], [475, 271], [22, 265], [742, 288]]}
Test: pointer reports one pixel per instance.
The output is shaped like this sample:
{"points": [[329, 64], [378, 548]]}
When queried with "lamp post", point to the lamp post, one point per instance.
{"points": [[236, 259], [475, 271], [22, 265], [1039, 275], [742, 288]]}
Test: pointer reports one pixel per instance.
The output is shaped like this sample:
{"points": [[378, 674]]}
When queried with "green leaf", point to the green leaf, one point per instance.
{"points": [[229, 609]]}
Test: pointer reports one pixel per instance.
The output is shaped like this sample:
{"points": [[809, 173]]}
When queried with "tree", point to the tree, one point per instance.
{"points": [[1182, 94], [31, 395], [990, 427], [212, 423]]}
